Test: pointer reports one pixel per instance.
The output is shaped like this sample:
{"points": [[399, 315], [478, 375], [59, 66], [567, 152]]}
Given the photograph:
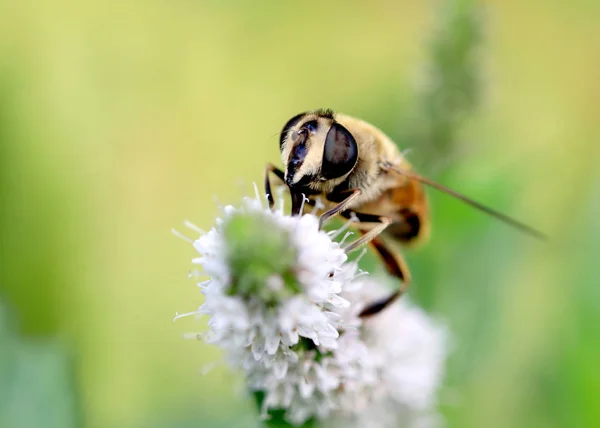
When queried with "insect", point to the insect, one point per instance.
{"points": [[360, 173]]}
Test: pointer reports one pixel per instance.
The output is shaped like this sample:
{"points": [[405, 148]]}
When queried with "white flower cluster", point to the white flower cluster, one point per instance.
{"points": [[308, 352], [406, 351]]}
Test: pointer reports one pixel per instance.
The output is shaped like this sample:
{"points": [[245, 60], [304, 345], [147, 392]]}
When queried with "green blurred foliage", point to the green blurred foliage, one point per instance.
{"points": [[450, 84], [36, 382], [120, 119]]}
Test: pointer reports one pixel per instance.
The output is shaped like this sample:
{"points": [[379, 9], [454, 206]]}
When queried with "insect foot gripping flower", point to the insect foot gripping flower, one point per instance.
{"points": [[274, 289]]}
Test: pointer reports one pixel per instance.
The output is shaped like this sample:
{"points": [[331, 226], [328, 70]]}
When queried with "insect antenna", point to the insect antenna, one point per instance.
{"points": [[483, 208]]}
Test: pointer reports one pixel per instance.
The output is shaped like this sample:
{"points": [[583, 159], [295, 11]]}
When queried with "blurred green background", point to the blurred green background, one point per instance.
{"points": [[118, 120]]}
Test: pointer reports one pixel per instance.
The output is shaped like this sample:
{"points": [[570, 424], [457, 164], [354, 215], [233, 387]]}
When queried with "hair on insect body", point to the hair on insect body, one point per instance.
{"points": [[360, 173]]}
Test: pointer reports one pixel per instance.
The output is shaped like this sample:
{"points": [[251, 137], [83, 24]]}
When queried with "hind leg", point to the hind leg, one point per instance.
{"points": [[393, 261]]}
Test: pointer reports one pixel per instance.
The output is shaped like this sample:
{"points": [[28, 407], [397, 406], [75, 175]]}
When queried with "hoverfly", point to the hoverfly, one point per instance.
{"points": [[359, 172]]}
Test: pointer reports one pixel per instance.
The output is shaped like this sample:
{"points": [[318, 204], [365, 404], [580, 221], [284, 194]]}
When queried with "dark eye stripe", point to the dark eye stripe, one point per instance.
{"points": [[298, 154], [290, 124]]}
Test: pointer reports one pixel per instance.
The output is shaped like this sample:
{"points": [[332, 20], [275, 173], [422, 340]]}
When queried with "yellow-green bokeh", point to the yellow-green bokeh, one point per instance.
{"points": [[119, 120]]}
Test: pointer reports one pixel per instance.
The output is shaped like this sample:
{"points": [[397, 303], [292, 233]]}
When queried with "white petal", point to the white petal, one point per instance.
{"points": [[280, 368], [306, 388], [290, 338], [338, 301], [258, 348], [272, 343]]}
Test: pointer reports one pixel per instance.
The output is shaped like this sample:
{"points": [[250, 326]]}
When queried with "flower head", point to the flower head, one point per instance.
{"points": [[272, 281], [283, 303], [275, 285]]}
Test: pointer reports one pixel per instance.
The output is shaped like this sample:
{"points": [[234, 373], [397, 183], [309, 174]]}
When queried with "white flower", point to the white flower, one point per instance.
{"points": [[281, 329], [247, 320], [283, 304], [405, 353]]}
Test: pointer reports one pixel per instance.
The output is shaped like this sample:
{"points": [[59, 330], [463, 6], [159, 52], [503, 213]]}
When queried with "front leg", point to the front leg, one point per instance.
{"points": [[279, 173], [346, 198]]}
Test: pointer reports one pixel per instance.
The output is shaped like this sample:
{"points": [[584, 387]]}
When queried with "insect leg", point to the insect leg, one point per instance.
{"points": [[380, 225], [279, 173], [395, 265], [352, 194], [393, 261]]}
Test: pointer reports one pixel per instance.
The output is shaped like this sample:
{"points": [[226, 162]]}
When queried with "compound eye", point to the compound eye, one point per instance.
{"points": [[340, 153]]}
